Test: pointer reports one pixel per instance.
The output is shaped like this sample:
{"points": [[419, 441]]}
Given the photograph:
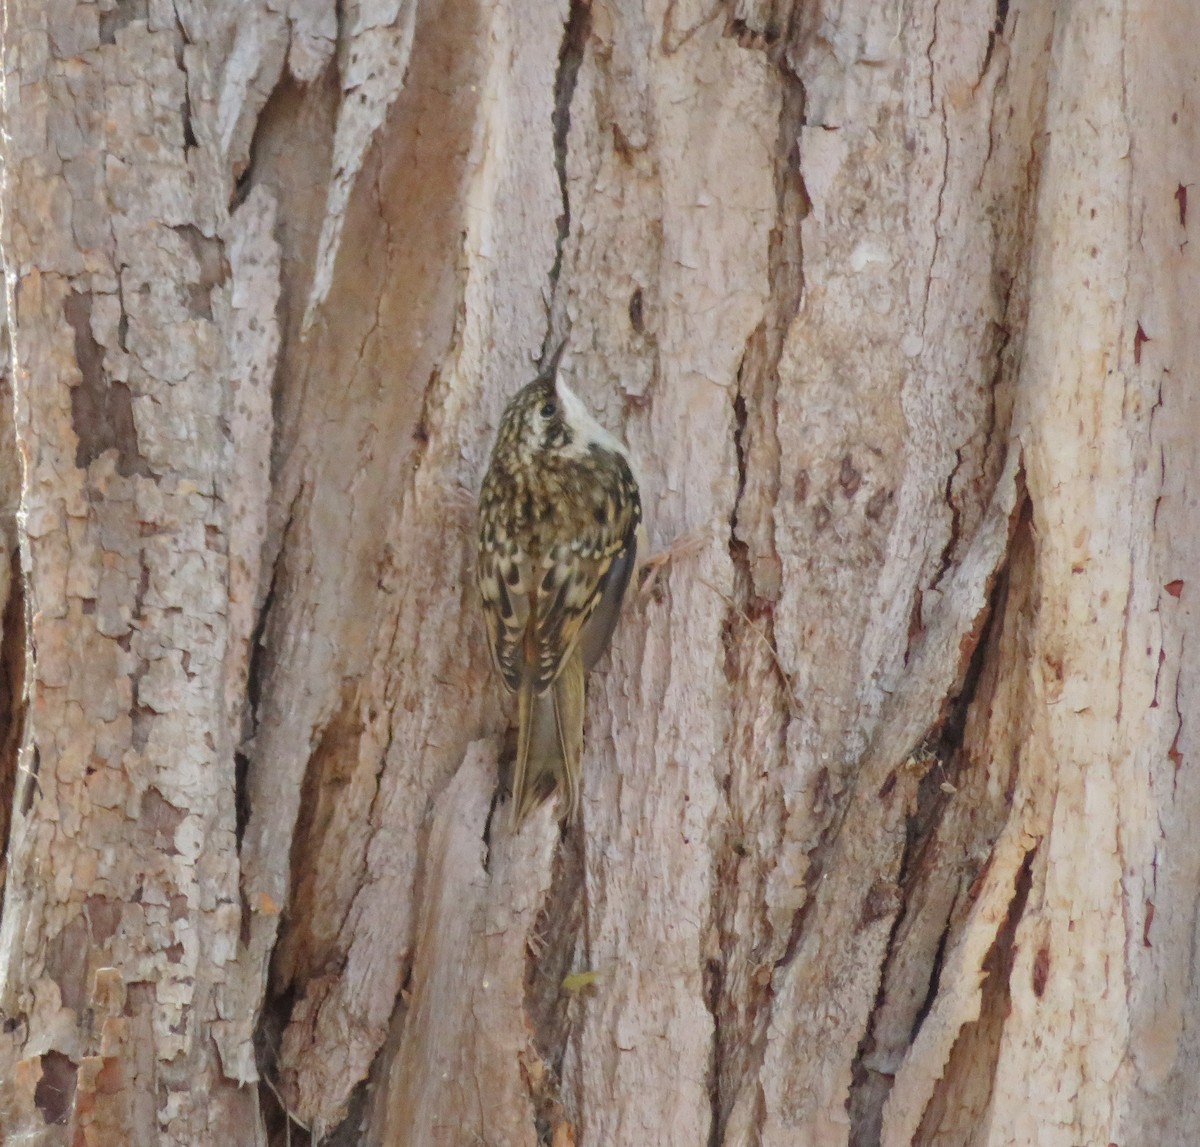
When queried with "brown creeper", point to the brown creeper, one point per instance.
{"points": [[558, 518]]}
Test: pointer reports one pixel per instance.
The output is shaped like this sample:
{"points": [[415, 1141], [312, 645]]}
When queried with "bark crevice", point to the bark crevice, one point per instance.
{"points": [[908, 986], [570, 58], [13, 655], [976, 1050], [555, 985], [120, 15]]}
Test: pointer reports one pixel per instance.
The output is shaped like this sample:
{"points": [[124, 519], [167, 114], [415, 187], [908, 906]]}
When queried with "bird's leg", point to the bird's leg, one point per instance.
{"points": [[650, 568]]}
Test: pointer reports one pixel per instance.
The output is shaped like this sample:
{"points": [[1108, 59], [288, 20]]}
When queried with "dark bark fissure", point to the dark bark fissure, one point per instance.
{"points": [[255, 674], [762, 30], [13, 659], [270, 129], [213, 266], [946, 561], [714, 990], [349, 1132], [281, 1125], [142, 715], [570, 59], [494, 807], [332, 767], [551, 1004], [185, 114], [976, 1051], [242, 184], [868, 1088], [942, 754], [299, 956], [284, 1128], [738, 549], [935, 979], [185, 108], [121, 15], [733, 1051]]}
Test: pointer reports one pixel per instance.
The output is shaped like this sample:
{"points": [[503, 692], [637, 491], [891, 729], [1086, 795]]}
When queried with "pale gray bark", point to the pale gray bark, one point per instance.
{"points": [[888, 807]]}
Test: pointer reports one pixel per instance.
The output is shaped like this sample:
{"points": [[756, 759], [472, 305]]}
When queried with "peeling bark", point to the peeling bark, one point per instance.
{"points": [[886, 817]]}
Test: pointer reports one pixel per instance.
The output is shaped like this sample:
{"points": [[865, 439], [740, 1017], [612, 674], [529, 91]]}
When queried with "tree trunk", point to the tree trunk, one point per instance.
{"points": [[887, 782]]}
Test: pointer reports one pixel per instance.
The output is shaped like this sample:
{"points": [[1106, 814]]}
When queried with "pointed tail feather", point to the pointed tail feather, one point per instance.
{"points": [[550, 743], [527, 706], [568, 723]]}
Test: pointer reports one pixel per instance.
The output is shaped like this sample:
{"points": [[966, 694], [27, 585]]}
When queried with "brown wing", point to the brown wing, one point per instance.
{"points": [[536, 611], [505, 583], [599, 628], [585, 578]]}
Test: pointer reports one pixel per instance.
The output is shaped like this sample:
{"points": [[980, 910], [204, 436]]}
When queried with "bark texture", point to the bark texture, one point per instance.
{"points": [[888, 799]]}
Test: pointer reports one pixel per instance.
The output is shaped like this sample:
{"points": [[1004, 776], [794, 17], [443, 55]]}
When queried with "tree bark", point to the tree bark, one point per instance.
{"points": [[885, 829]]}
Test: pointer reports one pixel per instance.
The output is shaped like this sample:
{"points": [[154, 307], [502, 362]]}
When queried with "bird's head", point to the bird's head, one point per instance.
{"points": [[546, 419], [535, 422]]}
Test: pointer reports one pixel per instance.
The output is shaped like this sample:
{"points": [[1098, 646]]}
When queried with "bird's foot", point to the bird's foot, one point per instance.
{"points": [[652, 567]]}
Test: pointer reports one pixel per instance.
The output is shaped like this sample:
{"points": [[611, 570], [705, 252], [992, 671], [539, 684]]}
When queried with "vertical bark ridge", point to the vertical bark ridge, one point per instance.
{"points": [[749, 937], [138, 391], [385, 423], [351, 405]]}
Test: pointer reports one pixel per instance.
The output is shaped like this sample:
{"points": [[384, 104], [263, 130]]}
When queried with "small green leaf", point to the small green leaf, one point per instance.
{"points": [[577, 982]]}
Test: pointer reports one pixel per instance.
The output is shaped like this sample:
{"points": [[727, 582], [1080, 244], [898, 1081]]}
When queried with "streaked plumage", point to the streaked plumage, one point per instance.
{"points": [[558, 518]]}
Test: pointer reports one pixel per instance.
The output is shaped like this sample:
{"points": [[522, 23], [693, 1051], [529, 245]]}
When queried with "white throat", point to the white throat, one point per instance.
{"points": [[587, 430]]}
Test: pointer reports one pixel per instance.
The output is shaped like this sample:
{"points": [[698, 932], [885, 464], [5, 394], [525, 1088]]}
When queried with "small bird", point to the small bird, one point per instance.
{"points": [[559, 513]]}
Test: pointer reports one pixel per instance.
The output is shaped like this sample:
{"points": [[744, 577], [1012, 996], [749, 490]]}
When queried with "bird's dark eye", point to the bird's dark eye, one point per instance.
{"points": [[549, 410]]}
